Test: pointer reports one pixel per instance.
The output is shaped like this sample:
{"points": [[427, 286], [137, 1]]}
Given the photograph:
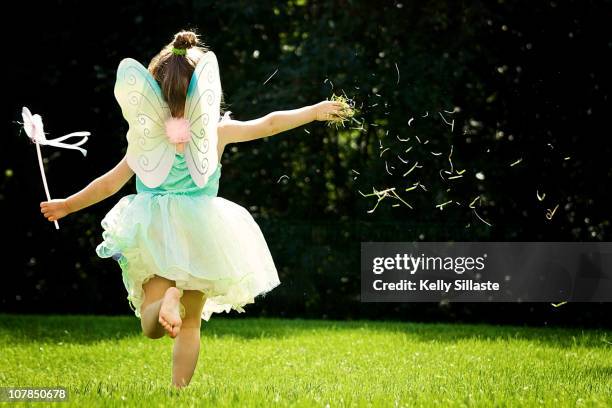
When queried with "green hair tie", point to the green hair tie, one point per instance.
{"points": [[179, 51]]}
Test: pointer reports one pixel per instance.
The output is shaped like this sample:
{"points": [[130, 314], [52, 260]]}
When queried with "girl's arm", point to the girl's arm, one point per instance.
{"points": [[234, 131], [99, 189]]}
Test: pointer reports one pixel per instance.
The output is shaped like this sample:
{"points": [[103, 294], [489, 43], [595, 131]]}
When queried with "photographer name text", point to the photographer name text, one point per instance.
{"points": [[437, 285]]}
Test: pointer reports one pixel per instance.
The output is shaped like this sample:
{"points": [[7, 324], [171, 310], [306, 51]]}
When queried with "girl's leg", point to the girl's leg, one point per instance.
{"points": [[154, 289], [187, 343]]}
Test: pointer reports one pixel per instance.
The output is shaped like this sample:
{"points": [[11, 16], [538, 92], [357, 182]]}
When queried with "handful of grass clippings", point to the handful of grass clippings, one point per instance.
{"points": [[347, 112]]}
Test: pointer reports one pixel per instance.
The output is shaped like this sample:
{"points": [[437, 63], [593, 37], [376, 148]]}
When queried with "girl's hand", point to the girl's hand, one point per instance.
{"points": [[55, 209], [328, 110]]}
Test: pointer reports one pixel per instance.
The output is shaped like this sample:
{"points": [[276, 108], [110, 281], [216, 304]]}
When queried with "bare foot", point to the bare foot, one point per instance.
{"points": [[169, 312]]}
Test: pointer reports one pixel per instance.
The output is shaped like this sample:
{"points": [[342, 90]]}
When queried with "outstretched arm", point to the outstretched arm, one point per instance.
{"points": [[99, 189], [235, 131]]}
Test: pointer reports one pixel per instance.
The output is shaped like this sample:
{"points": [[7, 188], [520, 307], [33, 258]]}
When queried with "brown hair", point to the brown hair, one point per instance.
{"points": [[173, 72]]}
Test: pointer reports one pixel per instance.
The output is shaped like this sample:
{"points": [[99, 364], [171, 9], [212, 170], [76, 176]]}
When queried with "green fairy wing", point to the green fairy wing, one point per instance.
{"points": [[202, 112], [150, 154]]}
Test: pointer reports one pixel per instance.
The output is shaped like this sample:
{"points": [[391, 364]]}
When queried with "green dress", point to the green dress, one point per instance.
{"points": [[187, 234]]}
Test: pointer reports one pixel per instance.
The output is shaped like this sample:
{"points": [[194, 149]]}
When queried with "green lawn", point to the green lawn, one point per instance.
{"points": [[266, 362]]}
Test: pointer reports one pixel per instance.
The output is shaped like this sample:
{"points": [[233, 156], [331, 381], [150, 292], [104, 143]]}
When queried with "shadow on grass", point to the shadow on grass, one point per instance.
{"points": [[603, 372], [77, 329], [82, 329]]}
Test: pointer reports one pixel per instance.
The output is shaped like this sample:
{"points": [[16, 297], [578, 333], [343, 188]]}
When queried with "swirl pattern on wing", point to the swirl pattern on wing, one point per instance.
{"points": [[149, 154], [202, 111]]}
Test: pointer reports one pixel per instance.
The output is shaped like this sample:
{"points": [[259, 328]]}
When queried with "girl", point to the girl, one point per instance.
{"points": [[184, 252]]}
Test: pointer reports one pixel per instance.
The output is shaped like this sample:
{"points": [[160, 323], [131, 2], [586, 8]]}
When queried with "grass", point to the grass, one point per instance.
{"points": [[347, 112], [106, 361]]}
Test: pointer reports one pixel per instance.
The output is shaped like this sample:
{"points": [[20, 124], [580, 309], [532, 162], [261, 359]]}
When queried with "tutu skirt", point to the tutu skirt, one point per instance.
{"points": [[202, 242]]}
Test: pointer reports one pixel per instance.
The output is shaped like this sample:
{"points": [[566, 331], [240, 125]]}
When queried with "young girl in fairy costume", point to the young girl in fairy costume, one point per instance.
{"points": [[184, 252]]}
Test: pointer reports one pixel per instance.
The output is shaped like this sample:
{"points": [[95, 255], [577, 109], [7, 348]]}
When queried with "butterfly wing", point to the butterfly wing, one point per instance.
{"points": [[150, 154], [202, 112], [28, 123], [33, 126]]}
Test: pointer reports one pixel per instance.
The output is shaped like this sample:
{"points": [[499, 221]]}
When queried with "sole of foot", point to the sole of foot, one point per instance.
{"points": [[169, 312]]}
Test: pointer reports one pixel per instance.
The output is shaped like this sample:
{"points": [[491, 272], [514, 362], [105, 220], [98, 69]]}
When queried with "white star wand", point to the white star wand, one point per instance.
{"points": [[33, 126]]}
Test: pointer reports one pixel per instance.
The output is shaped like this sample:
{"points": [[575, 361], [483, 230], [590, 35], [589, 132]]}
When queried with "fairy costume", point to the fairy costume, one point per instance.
{"points": [[176, 226]]}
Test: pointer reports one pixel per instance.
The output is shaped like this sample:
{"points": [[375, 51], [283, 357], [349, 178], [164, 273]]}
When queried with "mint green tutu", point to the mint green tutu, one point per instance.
{"points": [[187, 234]]}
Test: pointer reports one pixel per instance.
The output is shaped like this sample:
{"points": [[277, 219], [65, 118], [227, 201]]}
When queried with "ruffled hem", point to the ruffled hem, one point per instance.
{"points": [[211, 244]]}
